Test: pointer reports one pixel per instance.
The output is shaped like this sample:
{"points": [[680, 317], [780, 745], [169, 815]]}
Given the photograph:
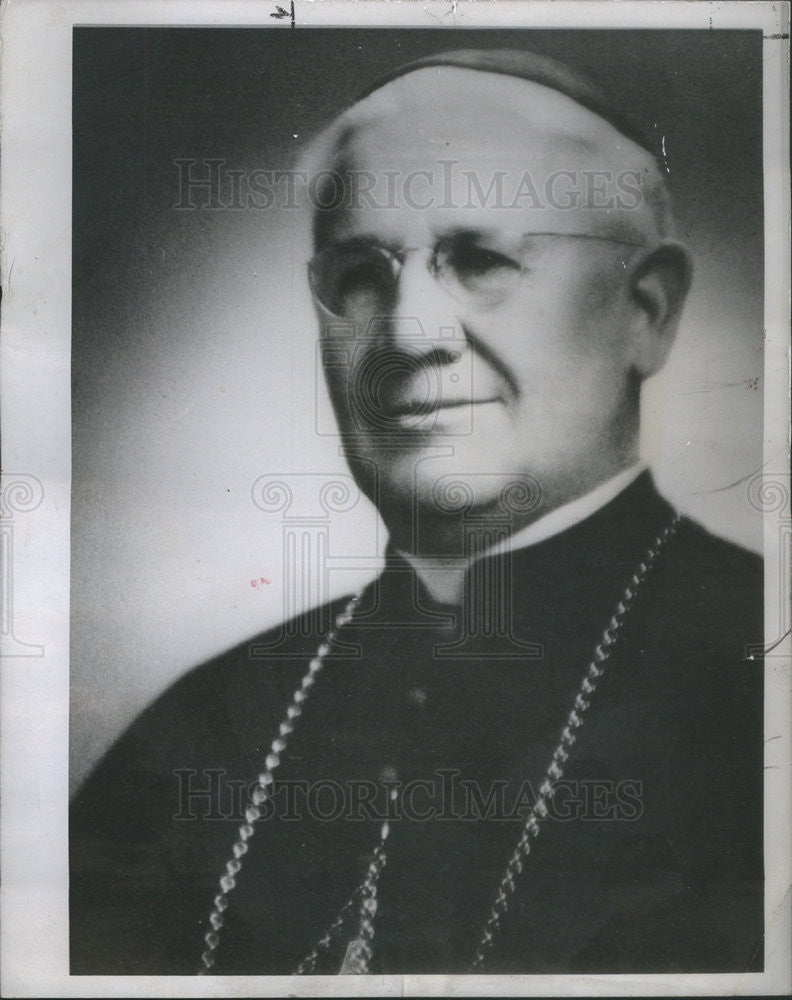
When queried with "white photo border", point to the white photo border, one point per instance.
{"points": [[36, 422]]}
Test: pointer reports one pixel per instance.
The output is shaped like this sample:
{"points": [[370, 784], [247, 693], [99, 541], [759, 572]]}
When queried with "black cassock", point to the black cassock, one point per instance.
{"points": [[650, 859]]}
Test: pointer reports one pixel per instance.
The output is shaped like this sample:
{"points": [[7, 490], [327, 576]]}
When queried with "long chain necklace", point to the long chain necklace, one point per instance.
{"points": [[363, 900]]}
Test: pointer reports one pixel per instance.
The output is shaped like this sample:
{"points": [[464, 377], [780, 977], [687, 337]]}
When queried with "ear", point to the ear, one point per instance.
{"points": [[659, 285]]}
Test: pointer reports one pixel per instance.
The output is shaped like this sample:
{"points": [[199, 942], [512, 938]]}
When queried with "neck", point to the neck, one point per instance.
{"points": [[436, 530], [443, 573]]}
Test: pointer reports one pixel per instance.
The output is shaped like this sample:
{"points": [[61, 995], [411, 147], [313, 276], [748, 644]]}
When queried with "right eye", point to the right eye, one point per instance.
{"points": [[354, 282], [361, 273]]}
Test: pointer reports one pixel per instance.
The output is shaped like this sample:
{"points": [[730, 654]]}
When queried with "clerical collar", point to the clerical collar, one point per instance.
{"points": [[444, 578]]}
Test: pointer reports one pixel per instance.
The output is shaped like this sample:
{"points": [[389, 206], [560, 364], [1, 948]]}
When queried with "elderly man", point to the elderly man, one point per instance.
{"points": [[534, 744]]}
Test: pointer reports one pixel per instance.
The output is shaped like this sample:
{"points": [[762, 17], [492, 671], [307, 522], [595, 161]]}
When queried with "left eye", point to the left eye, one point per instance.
{"points": [[474, 260], [479, 270]]}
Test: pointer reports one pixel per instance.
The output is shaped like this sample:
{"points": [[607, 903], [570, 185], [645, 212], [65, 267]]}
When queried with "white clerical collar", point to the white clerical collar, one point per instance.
{"points": [[444, 577]]}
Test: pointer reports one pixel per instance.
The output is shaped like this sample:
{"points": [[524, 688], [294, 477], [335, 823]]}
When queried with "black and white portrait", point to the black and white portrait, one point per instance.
{"points": [[418, 406]]}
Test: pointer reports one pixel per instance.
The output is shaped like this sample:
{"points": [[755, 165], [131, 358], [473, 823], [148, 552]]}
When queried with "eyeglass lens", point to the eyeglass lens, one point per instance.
{"points": [[362, 279]]}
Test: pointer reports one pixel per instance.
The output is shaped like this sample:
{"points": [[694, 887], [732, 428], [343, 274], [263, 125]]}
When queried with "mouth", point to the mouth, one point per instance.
{"points": [[422, 407], [415, 413]]}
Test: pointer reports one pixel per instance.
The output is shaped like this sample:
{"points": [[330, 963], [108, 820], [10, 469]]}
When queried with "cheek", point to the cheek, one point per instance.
{"points": [[564, 323], [337, 377]]}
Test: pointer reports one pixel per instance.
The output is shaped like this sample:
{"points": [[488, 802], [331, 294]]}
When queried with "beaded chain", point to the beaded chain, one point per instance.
{"points": [[359, 951], [261, 792], [538, 812]]}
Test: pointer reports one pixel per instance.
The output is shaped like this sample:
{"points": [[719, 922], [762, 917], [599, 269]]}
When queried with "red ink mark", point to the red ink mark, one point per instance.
{"points": [[262, 581]]}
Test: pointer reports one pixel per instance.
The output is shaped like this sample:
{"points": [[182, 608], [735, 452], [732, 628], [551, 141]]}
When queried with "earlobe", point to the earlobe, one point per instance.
{"points": [[659, 287]]}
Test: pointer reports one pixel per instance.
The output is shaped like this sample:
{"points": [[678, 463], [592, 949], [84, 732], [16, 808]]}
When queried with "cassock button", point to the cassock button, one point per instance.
{"points": [[417, 696]]}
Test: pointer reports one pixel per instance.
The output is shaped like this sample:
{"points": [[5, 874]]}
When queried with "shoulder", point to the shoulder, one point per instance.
{"points": [[703, 621], [138, 865], [216, 713], [267, 663], [715, 574], [699, 620], [717, 553]]}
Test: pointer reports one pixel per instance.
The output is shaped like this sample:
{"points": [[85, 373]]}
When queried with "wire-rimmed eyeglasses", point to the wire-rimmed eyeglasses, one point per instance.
{"points": [[360, 277]]}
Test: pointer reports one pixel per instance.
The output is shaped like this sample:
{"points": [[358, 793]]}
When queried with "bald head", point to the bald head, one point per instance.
{"points": [[471, 136]]}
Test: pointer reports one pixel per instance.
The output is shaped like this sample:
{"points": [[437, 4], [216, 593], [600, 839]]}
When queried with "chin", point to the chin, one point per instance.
{"points": [[459, 485]]}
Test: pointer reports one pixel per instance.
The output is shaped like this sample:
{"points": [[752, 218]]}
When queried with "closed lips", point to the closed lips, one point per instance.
{"points": [[431, 406]]}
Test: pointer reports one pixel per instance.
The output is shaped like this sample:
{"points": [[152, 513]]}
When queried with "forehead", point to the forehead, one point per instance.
{"points": [[447, 110], [445, 147]]}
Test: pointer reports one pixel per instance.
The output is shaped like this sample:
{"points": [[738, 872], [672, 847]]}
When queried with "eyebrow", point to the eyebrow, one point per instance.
{"points": [[365, 240], [467, 231]]}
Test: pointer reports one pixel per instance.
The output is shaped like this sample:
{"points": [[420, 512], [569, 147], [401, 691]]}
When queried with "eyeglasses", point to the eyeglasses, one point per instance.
{"points": [[360, 278]]}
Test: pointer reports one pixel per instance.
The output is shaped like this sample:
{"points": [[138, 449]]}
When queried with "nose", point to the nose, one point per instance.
{"points": [[423, 321]]}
